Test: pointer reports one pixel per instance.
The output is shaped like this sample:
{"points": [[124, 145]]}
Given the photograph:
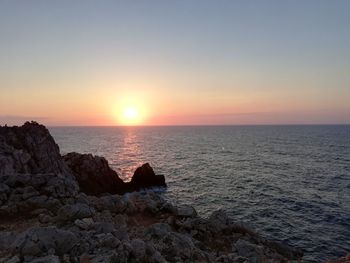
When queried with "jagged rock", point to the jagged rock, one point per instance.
{"points": [[171, 244], [138, 248], [6, 238], [95, 177], [343, 259], [75, 211], [44, 218], [248, 250], [103, 227], [113, 203], [124, 252], [143, 202], [145, 177], [46, 259], [84, 223], [108, 240], [14, 259], [158, 230], [285, 250], [108, 257], [30, 150], [37, 241], [31, 170], [94, 174]]}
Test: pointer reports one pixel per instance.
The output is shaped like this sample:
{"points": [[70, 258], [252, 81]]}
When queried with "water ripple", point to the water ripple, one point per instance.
{"points": [[292, 183]]}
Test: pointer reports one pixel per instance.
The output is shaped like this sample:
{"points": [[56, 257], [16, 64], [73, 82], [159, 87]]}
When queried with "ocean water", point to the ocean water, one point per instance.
{"points": [[290, 183]]}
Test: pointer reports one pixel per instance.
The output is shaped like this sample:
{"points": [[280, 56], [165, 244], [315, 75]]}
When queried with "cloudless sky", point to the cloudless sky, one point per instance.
{"points": [[178, 62]]}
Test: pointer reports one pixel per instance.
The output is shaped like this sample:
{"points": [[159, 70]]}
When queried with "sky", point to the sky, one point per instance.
{"points": [[179, 62]]}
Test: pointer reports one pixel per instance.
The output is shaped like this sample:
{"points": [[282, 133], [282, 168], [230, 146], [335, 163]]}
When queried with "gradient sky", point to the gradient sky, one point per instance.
{"points": [[180, 62]]}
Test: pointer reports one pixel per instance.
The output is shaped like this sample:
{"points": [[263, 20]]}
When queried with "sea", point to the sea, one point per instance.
{"points": [[289, 183]]}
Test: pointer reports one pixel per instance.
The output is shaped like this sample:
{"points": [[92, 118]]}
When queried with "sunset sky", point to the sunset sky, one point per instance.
{"points": [[180, 62]]}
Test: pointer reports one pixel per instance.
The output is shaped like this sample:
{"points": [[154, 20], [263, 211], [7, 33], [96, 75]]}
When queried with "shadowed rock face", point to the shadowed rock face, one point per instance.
{"points": [[32, 171], [29, 149], [96, 177], [144, 176]]}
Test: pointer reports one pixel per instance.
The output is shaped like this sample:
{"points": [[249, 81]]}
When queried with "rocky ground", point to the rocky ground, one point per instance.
{"points": [[70, 209]]}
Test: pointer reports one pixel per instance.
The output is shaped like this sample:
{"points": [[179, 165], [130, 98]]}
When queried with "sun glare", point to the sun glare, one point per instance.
{"points": [[130, 115]]}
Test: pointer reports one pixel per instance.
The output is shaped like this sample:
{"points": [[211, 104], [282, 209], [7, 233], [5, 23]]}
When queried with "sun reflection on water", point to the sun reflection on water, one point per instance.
{"points": [[130, 154]]}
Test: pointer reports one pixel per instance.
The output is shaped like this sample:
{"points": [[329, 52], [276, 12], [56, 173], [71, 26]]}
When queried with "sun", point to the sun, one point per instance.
{"points": [[130, 115]]}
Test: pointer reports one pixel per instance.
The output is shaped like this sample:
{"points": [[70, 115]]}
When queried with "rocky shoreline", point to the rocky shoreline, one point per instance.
{"points": [[75, 208]]}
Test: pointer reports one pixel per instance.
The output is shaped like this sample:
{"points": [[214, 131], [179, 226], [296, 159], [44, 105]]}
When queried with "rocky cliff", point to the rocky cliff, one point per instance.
{"points": [[64, 209], [96, 177]]}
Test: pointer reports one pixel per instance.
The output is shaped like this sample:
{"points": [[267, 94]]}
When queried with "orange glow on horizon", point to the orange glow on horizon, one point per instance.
{"points": [[130, 115]]}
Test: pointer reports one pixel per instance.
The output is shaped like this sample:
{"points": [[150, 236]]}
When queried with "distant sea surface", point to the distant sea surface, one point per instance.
{"points": [[290, 183]]}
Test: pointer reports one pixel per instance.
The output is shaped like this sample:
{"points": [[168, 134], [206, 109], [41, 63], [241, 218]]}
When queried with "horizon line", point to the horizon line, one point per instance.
{"points": [[202, 125]]}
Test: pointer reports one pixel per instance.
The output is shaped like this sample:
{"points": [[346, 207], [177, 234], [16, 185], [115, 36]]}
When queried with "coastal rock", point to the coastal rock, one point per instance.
{"points": [[138, 248], [250, 251], [31, 170], [84, 223], [94, 174], [29, 149], [343, 259], [95, 177], [75, 211], [14, 259], [113, 203], [171, 244], [46, 259], [38, 241], [145, 177]]}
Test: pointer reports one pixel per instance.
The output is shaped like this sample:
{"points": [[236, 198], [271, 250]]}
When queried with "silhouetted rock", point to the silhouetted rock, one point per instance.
{"points": [[95, 177], [94, 174], [144, 177]]}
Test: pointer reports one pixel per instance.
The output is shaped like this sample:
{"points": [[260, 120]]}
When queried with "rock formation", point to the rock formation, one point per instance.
{"points": [[45, 217], [96, 177], [144, 177]]}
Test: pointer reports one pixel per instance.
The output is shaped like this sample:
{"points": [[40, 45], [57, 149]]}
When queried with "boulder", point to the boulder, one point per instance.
{"points": [[144, 177], [37, 241], [75, 211]]}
